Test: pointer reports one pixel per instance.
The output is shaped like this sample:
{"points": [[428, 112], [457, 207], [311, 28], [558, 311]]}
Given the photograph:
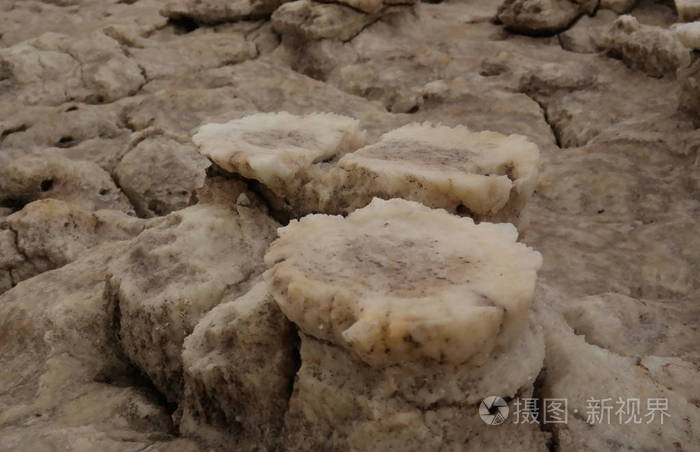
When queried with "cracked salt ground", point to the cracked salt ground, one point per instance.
{"points": [[172, 275]]}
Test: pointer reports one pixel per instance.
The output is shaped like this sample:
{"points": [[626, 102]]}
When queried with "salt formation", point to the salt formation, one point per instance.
{"points": [[688, 9], [49, 233], [281, 151], [309, 20], [689, 34], [68, 385], [650, 49], [626, 377], [371, 6], [304, 169], [173, 274], [55, 68], [538, 16], [247, 343], [486, 174], [403, 309], [216, 11], [43, 175], [690, 92], [160, 174]]}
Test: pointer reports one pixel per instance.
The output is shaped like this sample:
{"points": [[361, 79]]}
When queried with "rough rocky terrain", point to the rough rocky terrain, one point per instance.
{"points": [[199, 249]]}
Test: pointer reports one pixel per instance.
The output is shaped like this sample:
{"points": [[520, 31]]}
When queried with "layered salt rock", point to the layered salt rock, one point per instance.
{"points": [[173, 274], [618, 6], [68, 385], [75, 131], [309, 20], [397, 281], [193, 52], [49, 233], [216, 11], [281, 151], [406, 317], [538, 16], [688, 10], [586, 34], [239, 364], [161, 174], [370, 6], [690, 92], [485, 174], [45, 175], [55, 68], [597, 386], [653, 50], [689, 34]]}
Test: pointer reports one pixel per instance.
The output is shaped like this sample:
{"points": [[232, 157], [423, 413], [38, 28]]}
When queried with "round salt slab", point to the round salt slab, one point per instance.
{"points": [[397, 281], [272, 147], [447, 166]]}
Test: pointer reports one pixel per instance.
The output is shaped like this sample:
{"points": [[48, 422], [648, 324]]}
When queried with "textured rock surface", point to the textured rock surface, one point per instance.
{"points": [[247, 343], [651, 49], [68, 384], [486, 174], [44, 175], [379, 304], [49, 233], [687, 9], [161, 174], [408, 323], [689, 34], [215, 11], [690, 91], [55, 68], [340, 403], [84, 82], [173, 274], [625, 379], [538, 16], [308, 20], [281, 151]]}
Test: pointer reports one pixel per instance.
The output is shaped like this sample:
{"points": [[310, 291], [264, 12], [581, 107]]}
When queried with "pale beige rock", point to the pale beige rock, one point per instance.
{"points": [[215, 11], [70, 386], [635, 327], [239, 366], [397, 281], [370, 6], [618, 6], [192, 52], [585, 35], [340, 403], [653, 50], [538, 16], [73, 130], [171, 275], [585, 375], [309, 20], [689, 101], [43, 175], [161, 174], [689, 34], [484, 174], [129, 19], [55, 68], [283, 152], [180, 110], [688, 10], [50, 233]]}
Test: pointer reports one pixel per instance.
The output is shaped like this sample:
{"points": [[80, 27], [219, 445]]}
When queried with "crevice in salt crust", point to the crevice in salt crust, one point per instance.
{"points": [[311, 164]]}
